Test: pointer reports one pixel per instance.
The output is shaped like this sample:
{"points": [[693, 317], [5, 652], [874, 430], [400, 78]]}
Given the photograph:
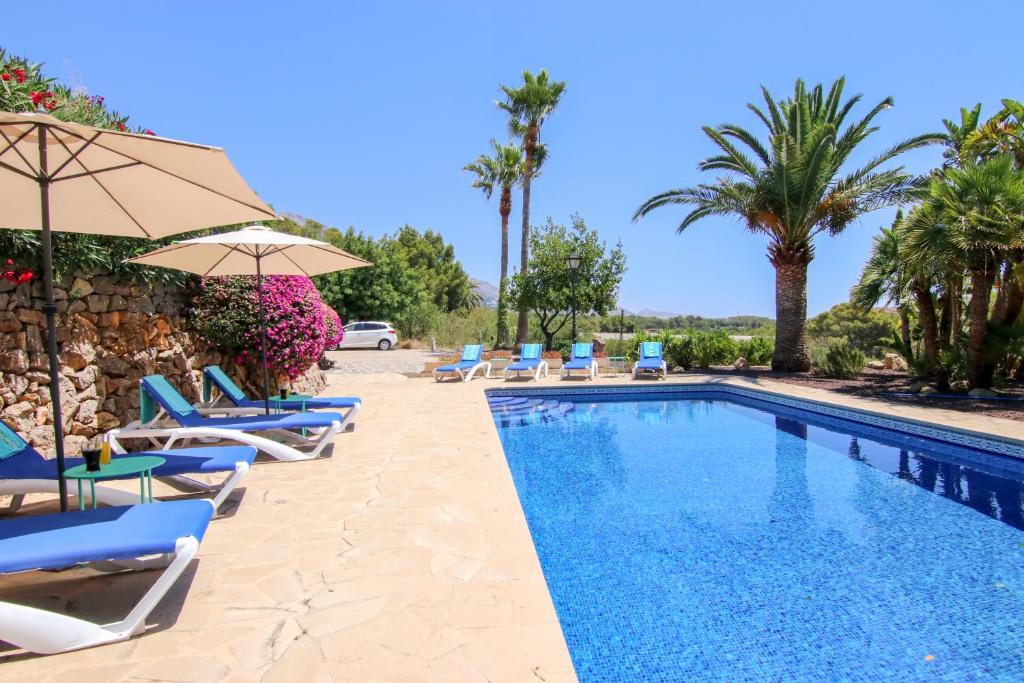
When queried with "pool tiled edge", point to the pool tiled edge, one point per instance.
{"points": [[957, 436]]}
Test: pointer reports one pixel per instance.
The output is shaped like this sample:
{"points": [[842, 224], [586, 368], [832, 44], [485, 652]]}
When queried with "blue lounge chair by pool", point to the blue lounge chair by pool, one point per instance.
{"points": [[167, 417], [107, 539], [467, 366], [529, 361], [217, 384], [582, 359], [23, 470], [650, 360]]}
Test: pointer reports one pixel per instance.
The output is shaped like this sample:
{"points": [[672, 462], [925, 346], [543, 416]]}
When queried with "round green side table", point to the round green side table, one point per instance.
{"points": [[118, 468]]}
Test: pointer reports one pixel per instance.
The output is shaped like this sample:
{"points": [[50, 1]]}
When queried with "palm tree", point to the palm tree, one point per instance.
{"points": [[973, 216], [886, 278], [528, 106], [503, 171], [793, 189]]}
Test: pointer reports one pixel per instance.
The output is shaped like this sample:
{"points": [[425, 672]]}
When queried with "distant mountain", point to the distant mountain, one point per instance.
{"points": [[487, 291]]}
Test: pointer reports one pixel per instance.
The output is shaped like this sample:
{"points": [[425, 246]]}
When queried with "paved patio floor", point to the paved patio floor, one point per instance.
{"points": [[402, 557]]}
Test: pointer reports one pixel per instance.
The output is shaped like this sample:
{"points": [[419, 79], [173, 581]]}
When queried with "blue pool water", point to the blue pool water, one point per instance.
{"points": [[702, 539]]}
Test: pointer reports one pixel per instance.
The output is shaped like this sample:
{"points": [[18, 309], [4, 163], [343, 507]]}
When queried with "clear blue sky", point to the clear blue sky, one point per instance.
{"points": [[364, 113]]}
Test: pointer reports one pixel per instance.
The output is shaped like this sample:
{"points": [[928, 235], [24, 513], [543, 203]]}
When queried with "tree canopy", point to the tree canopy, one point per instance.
{"points": [[546, 286]]}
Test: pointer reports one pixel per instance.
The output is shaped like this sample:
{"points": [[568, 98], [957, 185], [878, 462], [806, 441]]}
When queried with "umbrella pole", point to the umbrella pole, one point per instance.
{"points": [[50, 309], [263, 340]]}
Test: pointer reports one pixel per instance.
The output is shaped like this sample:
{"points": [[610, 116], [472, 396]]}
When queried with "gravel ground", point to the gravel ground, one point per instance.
{"points": [[882, 383], [365, 361]]}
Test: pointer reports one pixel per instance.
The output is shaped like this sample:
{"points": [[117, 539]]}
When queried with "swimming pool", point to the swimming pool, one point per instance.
{"points": [[707, 536]]}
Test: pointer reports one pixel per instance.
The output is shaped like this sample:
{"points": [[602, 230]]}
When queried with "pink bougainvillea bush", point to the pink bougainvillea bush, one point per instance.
{"points": [[300, 326]]}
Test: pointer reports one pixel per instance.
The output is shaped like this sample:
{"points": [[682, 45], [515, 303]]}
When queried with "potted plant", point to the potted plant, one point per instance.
{"points": [[553, 358]]}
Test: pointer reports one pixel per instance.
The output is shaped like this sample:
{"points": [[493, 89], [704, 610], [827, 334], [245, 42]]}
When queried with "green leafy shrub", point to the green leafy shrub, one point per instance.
{"points": [[843, 361], [617, 347], [757, 350], [712, 348], [633, 349]]}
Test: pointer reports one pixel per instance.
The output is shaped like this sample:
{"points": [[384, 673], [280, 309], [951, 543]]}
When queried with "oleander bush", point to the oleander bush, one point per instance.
{"points": [[300, 326]]}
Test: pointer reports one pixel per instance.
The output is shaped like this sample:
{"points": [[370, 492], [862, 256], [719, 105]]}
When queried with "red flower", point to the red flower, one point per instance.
{"points": [[6, 76], [9, 262], [51, 105], [36, 97], [148, 132]]}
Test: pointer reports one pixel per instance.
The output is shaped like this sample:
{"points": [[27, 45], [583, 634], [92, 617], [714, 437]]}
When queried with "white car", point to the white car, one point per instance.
{"points": [[365, 335]]}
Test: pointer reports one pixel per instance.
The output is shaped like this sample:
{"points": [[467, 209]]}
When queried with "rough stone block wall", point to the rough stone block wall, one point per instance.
{"points": [[110, 333]]}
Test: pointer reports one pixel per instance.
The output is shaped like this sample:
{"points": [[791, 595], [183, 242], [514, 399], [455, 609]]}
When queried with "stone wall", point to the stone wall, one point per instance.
{"points": [[110, 333]]}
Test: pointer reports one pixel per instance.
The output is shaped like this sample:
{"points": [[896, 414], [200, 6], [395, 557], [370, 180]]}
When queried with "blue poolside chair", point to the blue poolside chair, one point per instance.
{"points": [[166, 417], [217, 384], [529, 361], [650, 360], [23, 470], [467, 366], [106, 539], [582, 359]]}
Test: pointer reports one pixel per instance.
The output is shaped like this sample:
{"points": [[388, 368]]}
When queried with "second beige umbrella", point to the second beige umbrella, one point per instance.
{"points": [[253, 250]]}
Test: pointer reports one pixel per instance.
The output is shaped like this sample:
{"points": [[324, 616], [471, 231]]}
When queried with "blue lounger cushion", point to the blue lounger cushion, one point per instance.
{"points": [[461, 365], [29, 464], [470, 359], [257, 423], [649, 364], [60, 540], [159, 389], [529, 358], [582, 357], [217, 377]]}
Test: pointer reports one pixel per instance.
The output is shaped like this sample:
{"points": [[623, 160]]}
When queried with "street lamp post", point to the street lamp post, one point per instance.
{"points": [[573, 262]]}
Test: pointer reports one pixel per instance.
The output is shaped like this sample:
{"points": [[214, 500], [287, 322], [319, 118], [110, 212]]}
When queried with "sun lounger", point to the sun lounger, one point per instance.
{"points": [[467, 366], [108, 539], [582, 359], [167, 418], [650, 360], [217, 384], [529, 361], [24, 470]]}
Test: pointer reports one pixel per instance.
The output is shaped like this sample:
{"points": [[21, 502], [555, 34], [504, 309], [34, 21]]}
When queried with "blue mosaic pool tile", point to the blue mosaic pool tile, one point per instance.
{"points": [[711, 540]]}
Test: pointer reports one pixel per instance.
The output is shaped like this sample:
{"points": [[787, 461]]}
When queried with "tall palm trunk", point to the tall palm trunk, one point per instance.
{"points": [[908, 341], [979, 374], [505, 208], [930, 332], [1010, 299], [791, 351], [530, 147]]}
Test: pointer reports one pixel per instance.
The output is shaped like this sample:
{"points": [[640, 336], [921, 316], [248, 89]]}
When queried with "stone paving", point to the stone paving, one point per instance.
{"points": [[364, 361], [402, 557]]}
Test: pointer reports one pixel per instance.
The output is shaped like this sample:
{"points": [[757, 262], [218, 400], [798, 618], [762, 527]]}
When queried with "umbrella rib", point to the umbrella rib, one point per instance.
{"points": [[4, 164], [73, 155], [304, 271], [120, 206], [317, 246], [14, 146], [83, 174], [221, 259]]}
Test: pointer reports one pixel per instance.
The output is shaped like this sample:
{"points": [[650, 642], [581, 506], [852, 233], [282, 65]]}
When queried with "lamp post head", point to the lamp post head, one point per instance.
{"points": [[573, 262]]}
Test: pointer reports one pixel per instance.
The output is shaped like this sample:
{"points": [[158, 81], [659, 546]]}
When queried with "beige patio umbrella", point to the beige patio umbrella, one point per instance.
{"points": [[59, 176], [253, 250]]}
